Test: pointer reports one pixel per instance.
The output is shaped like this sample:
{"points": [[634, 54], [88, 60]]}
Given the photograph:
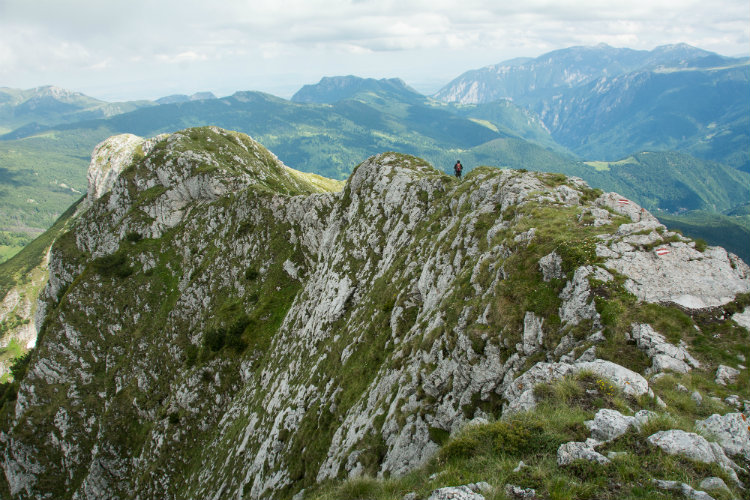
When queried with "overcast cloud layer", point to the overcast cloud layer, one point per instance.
{"points": [[146, 49]]}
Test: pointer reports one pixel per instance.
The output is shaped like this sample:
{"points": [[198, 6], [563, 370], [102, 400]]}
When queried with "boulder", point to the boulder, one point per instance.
{"points": [[694, 447], [687, 490], [609, 424], [731, 432], [455, 493], [568, 453], [713, 483], [631, 383], [516, 492], [520, 392], [665, 356], [726, 375]]}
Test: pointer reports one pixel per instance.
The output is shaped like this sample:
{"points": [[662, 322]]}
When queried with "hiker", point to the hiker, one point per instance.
{"points": [[458, 168]]}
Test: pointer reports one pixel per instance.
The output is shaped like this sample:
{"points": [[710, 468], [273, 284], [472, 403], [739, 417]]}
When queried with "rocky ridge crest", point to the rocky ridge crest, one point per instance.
{"points": [[218, 326]]}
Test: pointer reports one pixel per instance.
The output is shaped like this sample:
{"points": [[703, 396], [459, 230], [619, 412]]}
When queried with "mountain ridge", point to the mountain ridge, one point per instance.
{"points": [[217, 333], [573, 66], [336, 88], [42, 166]]}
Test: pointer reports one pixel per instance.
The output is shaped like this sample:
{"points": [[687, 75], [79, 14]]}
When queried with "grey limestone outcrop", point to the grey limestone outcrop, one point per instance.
{"points": [[687, 490], [732, 432], [551, 267], [609, 424], [533, 334], [568, 453], [665, 356], [519, 493], [713, 483], [455, 493], [694, 447], [726, 375], [742, 319], [519, 393], [371, 318], [673, 272]]}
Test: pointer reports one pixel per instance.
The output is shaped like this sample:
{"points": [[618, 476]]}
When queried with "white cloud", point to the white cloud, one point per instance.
{"points": [[241, 43]]}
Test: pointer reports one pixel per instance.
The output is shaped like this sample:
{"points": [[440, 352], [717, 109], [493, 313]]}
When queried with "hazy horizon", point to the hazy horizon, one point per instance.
{"points": [[119, 51]]}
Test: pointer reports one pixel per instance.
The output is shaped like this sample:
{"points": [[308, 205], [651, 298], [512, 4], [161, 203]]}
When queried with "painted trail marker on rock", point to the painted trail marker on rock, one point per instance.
{"points": [[662, 251], [623, 201]]}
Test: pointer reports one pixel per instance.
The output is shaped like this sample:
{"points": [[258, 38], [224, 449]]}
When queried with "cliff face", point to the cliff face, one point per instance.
{"points": [[217, 325]]}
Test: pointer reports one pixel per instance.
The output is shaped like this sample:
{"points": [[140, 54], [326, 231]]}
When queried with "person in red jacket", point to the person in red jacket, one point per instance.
{"points": [[458, 168]]}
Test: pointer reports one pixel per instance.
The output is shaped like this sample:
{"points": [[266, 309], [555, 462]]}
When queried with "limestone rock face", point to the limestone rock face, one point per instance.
{"points": [[551, 266], [665, 356], [694, 447], [217, 325], [731, 431], [533, 335], [673, 271], [576, 296], [109, 159]]}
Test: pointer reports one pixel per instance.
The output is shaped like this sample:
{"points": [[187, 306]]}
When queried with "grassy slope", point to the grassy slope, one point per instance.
{"points": [[672, 181], [492, 451], [17, 270]]}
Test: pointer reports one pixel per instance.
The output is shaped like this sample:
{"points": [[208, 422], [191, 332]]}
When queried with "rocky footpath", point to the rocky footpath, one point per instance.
{"points": [[218, 325]]}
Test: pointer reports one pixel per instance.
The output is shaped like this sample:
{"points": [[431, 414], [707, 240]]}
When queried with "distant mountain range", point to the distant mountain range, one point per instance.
{"points": [[175, 98], [533, 78], [605, 103], [43, 106], [334, 89], [584, 111]]}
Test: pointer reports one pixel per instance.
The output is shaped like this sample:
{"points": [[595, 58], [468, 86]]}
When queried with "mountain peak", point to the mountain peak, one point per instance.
{"points": [[331, 89], [567, 68], [178, 98], [192, 166]]}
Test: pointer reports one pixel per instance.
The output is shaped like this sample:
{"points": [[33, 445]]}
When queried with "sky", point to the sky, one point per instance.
{"points": [[139, 49]]}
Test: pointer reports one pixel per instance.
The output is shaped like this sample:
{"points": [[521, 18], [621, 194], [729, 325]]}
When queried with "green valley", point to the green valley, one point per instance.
{"points": [[330, 127]]}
